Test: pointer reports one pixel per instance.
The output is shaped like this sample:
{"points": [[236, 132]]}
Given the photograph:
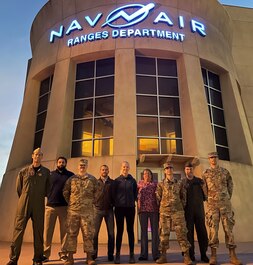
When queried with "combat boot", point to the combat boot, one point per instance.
{"points": [[213, 258], [187, 259], [162, 258], [233, 258], [90, 259], [70, 259]]}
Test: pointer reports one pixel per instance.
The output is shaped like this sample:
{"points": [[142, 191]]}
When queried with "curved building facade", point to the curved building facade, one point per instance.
{"points": [[139, 81]]}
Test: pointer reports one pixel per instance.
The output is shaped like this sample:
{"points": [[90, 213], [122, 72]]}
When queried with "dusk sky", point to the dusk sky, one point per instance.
{"points": [[15, 22]]}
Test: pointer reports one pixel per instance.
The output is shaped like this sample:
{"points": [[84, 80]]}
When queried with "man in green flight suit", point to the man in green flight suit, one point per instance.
{"points": [[32, 187]]}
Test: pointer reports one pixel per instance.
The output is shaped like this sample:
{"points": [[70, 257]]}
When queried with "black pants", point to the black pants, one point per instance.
{"points": [[197, 220], [109, 221], [120, 214]]}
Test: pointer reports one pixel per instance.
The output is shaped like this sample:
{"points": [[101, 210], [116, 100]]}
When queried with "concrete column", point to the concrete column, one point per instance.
{"points": [[196, 127], [125, 130], [57, 135]]}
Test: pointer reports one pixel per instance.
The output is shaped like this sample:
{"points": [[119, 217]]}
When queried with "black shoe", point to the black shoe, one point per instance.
{"points": [[117, 258], [45, 259], [205, 259], [110, 258], [131, 258], [142, 258], [12, 262], [192, 258]]}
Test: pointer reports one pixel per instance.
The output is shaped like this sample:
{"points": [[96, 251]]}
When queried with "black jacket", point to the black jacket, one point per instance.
{"points": [[104, 200], [57, 179], [125, 191]]}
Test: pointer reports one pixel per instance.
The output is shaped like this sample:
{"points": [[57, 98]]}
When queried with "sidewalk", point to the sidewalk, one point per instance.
{"points": [[244, 251]]}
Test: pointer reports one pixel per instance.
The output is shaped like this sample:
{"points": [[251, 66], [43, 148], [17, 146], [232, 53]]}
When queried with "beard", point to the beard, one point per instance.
{"points": [[61, 168]]}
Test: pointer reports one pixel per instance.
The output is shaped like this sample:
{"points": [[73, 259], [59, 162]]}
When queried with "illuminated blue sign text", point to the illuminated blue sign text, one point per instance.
{"points": [[125, 17]]}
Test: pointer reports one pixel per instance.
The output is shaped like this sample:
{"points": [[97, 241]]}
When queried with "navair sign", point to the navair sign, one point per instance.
{"points": [[120, 22]]}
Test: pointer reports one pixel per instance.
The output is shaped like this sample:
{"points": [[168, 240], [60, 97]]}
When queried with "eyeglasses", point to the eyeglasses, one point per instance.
{"points": [[169, 168], [212, 156]]}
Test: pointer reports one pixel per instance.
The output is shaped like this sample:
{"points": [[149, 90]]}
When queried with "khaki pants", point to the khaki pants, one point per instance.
{"points": [[51, 215]]}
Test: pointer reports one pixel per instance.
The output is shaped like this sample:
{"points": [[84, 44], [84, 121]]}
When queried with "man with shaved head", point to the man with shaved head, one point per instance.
{"points": [[32, 187]]}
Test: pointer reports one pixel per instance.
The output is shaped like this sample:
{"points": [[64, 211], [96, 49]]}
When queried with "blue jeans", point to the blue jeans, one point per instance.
{"points": [[154, 221], [109, 221]]}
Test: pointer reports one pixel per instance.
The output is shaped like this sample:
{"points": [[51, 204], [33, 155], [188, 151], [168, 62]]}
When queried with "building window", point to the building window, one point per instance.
{"points": [[158, 110], [94, 109], [216, 112], [45, 90]]}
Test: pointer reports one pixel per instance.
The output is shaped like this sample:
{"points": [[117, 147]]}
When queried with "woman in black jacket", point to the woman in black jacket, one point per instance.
{"points": [[125, 195]]}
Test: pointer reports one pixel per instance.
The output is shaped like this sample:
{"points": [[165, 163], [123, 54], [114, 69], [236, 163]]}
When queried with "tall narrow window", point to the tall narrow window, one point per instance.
{"points": [[94, 109], [45, 90], [216, 112], [158, 111]]}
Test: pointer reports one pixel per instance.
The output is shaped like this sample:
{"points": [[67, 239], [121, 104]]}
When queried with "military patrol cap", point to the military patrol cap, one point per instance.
{"points": [[188, 164], [83, 162], [167, 165], [212, 154]]}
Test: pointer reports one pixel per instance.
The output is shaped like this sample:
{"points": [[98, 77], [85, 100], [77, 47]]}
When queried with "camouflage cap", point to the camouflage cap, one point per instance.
{"points": [[167, 165], [83, 162], [212, 154], [188, 164]]}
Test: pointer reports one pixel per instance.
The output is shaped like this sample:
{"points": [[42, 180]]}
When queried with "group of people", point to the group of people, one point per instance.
{"points": [[81, 202]]}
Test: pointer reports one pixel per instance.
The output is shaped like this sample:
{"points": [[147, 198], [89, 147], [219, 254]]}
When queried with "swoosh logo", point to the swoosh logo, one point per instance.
{"points": [[132, 19]]}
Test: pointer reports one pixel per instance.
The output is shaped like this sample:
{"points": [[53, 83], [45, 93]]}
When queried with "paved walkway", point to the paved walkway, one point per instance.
{"points": [[244, 251]]}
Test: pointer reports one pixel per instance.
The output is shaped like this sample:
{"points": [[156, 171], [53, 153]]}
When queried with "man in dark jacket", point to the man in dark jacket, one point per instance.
{"points": [[32, 186], [56, 207], [104, 210], [125, 195], [194, 212]]}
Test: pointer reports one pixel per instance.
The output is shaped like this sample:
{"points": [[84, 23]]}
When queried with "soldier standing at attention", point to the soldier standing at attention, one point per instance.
{"points": [[79, 191], [56, 207], [32, 186], [171, 195], [194, 212], [218, 188]]}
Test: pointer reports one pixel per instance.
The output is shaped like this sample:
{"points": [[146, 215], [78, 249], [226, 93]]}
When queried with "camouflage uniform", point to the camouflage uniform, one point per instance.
{"points": [[218, 188], [172, 198], [79, 192]]}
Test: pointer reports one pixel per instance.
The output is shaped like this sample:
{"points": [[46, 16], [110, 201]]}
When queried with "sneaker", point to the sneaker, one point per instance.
{"points": [[45, 259], [12, 262], [63, 257]]}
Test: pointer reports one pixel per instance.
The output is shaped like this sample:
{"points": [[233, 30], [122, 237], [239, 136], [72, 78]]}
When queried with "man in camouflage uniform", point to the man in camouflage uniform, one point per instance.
{"points": [[32, 187], [79, 191], [171, 195], [218, 188]]}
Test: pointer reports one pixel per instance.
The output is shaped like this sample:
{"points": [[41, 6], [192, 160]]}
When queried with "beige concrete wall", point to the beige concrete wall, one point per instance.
{"points": [[221, 51], [242, 19]]}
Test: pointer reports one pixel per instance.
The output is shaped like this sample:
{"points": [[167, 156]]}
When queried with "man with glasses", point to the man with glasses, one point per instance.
{"points": [[32, 186], [218, 189]]}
